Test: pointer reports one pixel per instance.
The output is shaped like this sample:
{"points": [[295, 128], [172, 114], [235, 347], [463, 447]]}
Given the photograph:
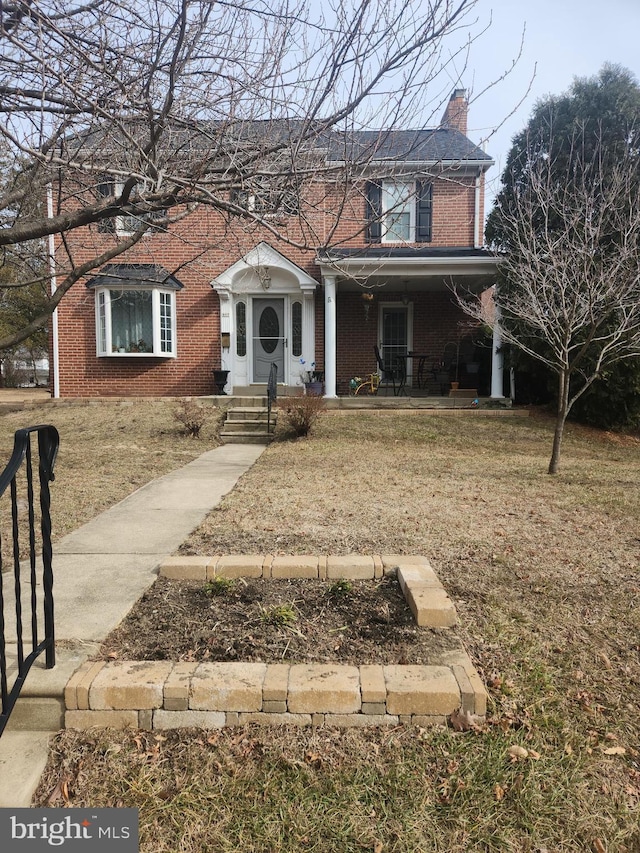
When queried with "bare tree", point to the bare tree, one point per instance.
{"points": [[150, 108], [569, 289]]}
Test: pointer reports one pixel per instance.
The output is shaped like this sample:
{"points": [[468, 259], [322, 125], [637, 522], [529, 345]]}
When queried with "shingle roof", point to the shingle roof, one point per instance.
{"points": [[116, 275], [427, 146], [403, 252]]}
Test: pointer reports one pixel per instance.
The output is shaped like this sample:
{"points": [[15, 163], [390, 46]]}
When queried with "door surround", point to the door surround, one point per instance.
{"points": [[264, 273]]}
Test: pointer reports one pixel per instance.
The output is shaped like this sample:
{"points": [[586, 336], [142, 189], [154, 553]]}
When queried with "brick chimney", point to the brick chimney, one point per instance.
{"points": [[455, 114]]}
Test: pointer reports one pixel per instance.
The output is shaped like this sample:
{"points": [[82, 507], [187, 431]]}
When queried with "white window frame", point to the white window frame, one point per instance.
{"points": [[121, 229], [159, 296], [389, 206]]}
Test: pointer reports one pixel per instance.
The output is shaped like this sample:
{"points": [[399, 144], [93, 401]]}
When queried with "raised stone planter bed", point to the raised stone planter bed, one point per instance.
{"points": [[429, 603], [163, 694]]}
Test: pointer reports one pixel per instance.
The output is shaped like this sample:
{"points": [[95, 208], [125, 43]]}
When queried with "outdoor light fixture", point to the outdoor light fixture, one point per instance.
{"points": [[265, 278], [367, 298]]}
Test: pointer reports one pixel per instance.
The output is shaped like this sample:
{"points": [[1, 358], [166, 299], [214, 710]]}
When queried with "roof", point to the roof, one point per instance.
{"points": [[225, 140], [400, 252], [429, 145], [143, 275]]}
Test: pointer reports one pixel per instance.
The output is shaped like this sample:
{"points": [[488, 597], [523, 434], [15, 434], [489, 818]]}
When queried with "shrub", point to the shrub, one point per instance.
{"points": [[192, 416], [613, 401], [301, 413]]}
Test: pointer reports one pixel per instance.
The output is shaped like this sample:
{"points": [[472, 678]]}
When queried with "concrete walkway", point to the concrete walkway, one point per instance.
{"points": [[100, 570]]}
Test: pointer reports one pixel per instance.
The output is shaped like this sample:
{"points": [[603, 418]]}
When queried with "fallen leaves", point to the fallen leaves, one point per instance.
{"points": [[520, 753], [464, 721], [61, 791], [615, 750]]}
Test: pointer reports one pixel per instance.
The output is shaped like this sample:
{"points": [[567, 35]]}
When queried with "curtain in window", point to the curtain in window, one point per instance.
{"points": [[131, 320]]}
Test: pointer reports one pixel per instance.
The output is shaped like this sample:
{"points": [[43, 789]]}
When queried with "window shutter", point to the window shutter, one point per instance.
{"points": [[373, 213], [424, 193], [106, 189]]}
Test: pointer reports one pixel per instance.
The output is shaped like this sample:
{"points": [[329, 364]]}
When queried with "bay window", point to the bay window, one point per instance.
{"points": [[135, 311]]}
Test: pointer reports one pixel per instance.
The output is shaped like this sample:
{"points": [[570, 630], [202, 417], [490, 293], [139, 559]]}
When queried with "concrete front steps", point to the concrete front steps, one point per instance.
{"points": [[165, 694], [247, 421]]}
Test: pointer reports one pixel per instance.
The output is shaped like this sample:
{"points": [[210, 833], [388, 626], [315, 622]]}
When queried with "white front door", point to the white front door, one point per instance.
{"points": [[268, 337]]}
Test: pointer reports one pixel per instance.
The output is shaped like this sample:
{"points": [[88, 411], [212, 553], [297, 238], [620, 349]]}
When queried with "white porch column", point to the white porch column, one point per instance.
{"points": [[497, 379], [329, 282], [226, 328]]}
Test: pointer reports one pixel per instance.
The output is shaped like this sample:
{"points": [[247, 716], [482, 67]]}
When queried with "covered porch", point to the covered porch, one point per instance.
{"points": [[401, 302]]}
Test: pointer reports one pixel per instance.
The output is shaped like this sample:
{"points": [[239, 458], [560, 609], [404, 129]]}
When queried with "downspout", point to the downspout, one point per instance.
{"points": [[54, 316], [477, 242]]}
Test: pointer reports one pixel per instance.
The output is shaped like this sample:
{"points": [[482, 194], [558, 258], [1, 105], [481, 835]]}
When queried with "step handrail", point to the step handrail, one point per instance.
{"points": [[48, 443], [272, 391]]}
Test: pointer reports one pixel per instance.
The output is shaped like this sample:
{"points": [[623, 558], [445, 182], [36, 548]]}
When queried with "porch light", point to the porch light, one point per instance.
{"points": [[265, 278], [367, 298]]}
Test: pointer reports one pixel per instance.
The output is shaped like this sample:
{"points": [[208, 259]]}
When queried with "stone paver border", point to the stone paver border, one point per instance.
{"points": [[429, 603], [163, 694]]}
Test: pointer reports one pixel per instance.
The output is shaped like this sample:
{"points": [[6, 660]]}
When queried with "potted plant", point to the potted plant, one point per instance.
{"points": [[311, 378]]}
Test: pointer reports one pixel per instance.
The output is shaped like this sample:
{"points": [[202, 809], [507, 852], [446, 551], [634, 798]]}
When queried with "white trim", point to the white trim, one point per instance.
{"points": [[409, 267], [397, 166], [477, 237], [55, 346], [104, 292], [244, 281]]}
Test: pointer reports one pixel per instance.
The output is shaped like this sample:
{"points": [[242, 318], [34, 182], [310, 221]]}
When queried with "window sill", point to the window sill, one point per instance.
{"points": [[136, 355]]}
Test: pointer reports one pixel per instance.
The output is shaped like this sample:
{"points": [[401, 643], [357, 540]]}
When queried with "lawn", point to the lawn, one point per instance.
{"points": [[545, 574]]}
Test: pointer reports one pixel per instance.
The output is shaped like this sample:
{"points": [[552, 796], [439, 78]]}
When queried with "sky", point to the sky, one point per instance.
{"points": [[563, 39]]}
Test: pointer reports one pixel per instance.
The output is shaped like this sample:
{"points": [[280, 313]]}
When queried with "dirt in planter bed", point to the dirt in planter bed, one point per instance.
{"points": [[297, 621]]}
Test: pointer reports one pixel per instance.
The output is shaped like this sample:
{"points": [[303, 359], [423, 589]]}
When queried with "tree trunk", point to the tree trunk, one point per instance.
{"points": [[561, 417]]}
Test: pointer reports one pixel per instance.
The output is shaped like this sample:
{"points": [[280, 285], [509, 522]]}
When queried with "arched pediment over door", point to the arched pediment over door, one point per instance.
{"points": [[267, 315]]}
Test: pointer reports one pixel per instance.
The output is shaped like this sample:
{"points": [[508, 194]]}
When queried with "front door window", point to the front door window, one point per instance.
{"points": [[268, 338]]}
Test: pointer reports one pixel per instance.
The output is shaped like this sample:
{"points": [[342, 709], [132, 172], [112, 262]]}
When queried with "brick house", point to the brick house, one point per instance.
{"points": [[221, 293]]}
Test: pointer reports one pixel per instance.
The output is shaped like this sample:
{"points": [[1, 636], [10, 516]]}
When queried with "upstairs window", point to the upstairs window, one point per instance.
{"points": [[124, 225], [268, 197], [135, 311], [398, 212]]}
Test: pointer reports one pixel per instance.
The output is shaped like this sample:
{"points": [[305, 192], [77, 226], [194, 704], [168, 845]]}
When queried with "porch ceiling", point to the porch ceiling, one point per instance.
{"points": [[418, 269]]}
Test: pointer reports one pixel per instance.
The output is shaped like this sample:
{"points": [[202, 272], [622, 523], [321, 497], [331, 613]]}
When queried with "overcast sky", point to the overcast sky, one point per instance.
{"points": [[563, 39]]}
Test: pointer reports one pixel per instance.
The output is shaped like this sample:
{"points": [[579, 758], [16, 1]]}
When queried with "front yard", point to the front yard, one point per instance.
{"points": [[545, 575]]}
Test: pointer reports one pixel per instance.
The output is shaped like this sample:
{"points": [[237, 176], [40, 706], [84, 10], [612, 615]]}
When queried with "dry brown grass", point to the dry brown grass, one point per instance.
{"points": [[545, 575], [107, 451]]}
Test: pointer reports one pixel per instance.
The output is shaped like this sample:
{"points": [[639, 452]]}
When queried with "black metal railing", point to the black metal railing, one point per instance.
{"points": [[272, 391], [25, 547]]}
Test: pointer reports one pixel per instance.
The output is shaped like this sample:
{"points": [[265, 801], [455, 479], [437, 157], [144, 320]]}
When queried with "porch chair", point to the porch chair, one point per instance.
{"points": [[389, 375]]}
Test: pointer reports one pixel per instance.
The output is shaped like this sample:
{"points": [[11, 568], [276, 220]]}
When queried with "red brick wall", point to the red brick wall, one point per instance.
{"points": [[435, 323], [199, 248]]}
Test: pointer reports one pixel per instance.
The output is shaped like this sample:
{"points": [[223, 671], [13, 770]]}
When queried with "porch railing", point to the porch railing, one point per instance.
{"points": [[272, 391], [25, 548]]}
